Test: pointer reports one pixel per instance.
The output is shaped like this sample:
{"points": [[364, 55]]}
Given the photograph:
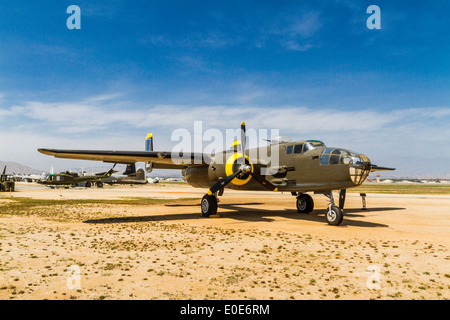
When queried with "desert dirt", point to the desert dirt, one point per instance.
{"points": [[260, 247]]}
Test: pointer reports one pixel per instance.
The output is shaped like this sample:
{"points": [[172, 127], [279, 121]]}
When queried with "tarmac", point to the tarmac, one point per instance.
{"points": [[259, 248]]}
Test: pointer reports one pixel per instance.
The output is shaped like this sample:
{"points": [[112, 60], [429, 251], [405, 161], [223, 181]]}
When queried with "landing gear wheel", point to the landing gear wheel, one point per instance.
{"points": [[305, 204], [334, 216], [99, 184], [88, 184], [209, 205]]}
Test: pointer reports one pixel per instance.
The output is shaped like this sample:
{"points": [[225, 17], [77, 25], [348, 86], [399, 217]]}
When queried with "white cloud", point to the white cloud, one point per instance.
{"points": [[103, 122]]}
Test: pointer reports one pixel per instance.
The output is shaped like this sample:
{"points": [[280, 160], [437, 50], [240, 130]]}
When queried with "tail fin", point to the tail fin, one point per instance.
{"points": [[149, 147], [110, 172], [149, 142], [4, 170], [131, 169]]}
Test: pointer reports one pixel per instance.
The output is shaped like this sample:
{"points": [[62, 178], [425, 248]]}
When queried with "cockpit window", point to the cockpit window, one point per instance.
{"points": [[334, 156], [289, 149], [298, 148], [324, 159], [334, 159], [312, 144]]}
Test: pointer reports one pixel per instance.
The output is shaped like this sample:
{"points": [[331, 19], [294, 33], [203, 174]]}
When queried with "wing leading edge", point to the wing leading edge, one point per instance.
{"points": [[161, 159]]}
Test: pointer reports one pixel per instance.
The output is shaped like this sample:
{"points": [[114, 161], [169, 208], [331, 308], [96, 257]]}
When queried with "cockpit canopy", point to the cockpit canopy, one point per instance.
{"points": [[340, 156], [312, 144]]}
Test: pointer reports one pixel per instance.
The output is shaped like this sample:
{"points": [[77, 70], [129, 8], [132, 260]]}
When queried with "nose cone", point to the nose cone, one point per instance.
{"points": [[359, 168]]}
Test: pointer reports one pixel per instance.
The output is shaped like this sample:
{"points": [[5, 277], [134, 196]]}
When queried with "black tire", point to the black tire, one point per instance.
{"points": [[88, 184], [305, 204], [208, 205], [334, 216], [99, 184]]}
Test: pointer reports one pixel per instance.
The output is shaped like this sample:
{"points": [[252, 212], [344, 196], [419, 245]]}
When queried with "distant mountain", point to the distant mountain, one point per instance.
{"points": [[14, 167]]}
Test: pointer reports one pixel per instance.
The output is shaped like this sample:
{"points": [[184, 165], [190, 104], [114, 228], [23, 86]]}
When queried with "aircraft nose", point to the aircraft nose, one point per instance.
{"points": [[359, 168]]}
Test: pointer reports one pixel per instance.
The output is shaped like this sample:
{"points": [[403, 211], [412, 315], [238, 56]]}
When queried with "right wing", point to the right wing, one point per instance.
{"points": [[161, 159]]}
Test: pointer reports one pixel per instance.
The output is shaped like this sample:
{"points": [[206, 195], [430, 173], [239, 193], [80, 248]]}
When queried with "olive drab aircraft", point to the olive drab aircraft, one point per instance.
{"points": [[303, 166], [67, 178]]}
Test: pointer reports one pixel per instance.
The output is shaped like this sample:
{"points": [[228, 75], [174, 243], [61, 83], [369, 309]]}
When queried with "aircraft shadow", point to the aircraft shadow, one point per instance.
{"points": [[198, 204], [242, 213], [172, 217], [256, 215]]}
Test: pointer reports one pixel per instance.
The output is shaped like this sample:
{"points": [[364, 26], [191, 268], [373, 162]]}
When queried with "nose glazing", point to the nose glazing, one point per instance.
{"points": [[359, 168]]}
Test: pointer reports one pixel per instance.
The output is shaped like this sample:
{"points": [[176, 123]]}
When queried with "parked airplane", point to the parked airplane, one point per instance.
{"points": [[6, 181], [68, 178], [129, 176], [30, 177], [303, 166]]}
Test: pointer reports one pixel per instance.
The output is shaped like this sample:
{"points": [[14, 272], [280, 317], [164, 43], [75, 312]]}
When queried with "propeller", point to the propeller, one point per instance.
{"points": [[243, 169], [223, 182]]}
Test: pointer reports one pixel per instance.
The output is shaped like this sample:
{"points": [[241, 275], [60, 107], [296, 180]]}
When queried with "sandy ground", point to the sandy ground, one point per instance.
{"points": [[260, 247]]}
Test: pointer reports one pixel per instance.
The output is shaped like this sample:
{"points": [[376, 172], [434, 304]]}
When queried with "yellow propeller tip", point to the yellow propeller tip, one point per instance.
{"points": [[242, 123]]}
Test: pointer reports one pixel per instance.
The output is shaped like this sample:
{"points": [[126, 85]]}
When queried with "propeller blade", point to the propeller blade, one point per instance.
{"points": [[225, 181], [266, 184], [241, 160], [222, 183]]}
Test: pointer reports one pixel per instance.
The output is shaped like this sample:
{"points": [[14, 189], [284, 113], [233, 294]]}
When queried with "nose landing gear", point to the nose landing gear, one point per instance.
{"points": [[334, 214]]}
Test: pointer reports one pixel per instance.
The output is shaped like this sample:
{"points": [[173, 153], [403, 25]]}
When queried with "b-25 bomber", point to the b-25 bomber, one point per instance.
{"points": [[302, 166]]}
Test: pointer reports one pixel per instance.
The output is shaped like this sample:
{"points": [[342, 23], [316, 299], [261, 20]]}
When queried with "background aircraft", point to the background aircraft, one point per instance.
{"points": [[6, 181], [30, 177], [304, 166], [129, 176], [67, 178]]}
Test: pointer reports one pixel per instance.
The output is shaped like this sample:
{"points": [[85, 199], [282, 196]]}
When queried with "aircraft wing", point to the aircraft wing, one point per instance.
{"points": [[161, 159]]}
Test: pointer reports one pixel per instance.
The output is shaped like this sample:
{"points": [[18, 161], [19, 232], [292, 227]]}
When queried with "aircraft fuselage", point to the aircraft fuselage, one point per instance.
{"points": [[300, 167]]}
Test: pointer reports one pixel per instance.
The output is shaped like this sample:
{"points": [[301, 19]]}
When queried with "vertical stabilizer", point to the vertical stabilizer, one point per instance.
{"points": [[149, 142], [131, 169]]}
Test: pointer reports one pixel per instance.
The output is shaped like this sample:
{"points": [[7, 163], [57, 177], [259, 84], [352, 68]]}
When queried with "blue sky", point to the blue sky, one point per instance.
{"points": [[310, 68]]}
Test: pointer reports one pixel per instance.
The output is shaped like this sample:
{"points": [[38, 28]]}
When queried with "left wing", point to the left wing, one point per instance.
{"points": [[161, 159]]}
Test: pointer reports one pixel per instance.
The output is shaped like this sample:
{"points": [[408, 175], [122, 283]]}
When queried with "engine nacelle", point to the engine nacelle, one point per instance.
{"points": [[199, 177]]}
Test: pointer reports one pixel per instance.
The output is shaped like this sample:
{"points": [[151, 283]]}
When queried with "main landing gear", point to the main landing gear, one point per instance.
{"points": [[209, 205], [305, 204]]}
